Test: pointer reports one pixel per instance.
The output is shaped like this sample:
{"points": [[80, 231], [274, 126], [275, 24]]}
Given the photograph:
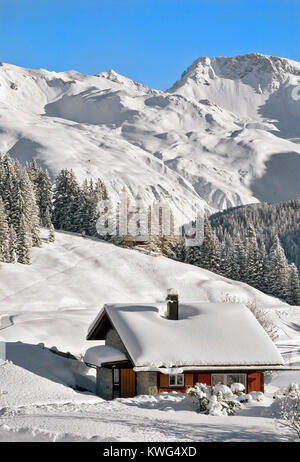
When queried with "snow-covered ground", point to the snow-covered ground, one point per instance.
{"points": [[36, 408], [37, 403], [55, 299], [227, 133]]}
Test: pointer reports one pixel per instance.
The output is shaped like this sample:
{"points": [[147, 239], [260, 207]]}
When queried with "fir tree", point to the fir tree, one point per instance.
{"points": [[24, 242], [278, 271], [66, 202], [51, 235], [293, 295], [44, 196], [13, 246], [254, 264], [4, 235]]}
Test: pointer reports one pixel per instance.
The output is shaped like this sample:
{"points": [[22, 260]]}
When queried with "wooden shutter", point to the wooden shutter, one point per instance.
{"points": [[163, 380], [204, 378], [255, 381], [127, 383], [188, 380]]}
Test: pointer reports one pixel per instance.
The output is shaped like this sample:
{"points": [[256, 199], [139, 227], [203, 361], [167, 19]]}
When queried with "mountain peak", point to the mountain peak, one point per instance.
{"points": [[259, 66], [113, 76]]}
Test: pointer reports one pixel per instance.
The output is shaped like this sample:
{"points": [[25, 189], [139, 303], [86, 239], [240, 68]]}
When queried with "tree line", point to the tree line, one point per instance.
{"points": [[257, 244], [245, 259], [28, 201]]}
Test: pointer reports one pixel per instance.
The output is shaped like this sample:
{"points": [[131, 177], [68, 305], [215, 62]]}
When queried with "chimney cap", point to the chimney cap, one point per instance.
{"points": [[172, 291]]}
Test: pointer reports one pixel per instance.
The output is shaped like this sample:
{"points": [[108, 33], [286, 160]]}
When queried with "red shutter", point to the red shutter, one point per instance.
{"points": [[204, 378], [188, 380], [255, 381], [163, 380]]}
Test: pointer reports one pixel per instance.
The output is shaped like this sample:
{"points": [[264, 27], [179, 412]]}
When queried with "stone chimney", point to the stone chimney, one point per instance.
{"points": [[172, 304]]}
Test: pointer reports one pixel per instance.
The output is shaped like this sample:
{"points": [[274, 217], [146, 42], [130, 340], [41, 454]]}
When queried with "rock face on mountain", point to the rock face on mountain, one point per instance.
{"points": [[227, 133]]}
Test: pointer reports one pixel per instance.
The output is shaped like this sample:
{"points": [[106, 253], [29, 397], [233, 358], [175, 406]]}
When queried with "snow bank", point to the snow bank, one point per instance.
{"points": [[32, 374]]}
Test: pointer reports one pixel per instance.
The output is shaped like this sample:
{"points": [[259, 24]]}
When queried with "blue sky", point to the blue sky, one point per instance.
{"points": [[151, 41]]}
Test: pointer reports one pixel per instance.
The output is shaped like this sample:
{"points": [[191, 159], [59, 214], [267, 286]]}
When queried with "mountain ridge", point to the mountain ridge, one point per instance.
{"points": [[210, 142]]}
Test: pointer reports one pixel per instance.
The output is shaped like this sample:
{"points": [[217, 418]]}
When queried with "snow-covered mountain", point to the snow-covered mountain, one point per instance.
{"points": [[227, 133]]}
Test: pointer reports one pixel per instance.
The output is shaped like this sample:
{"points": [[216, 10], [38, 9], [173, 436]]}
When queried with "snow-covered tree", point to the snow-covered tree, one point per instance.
{"points": [[278, 272], [44, 196], [293, 289], [66, 201], [289, 408], [13, 245], [51, 235], [24, 242], [4, 234]]}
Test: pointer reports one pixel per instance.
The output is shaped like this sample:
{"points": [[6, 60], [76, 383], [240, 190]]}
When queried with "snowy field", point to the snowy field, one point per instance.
{"points": [[53, 301]]}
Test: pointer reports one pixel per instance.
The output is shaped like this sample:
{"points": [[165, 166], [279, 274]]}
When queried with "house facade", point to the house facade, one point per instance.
{"points": [[149, 351]]}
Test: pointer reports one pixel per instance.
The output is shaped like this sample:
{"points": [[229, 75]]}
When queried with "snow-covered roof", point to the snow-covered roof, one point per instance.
{"points": [[206, 334], [102, 354]]}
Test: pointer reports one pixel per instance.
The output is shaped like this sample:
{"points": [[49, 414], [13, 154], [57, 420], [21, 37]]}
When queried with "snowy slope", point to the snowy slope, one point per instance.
{"points": [[53, 301], [56, 298], [226, 134]]}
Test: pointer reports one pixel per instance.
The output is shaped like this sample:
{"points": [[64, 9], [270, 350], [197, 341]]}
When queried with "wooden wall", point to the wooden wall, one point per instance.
{"points": [[255, 381]]}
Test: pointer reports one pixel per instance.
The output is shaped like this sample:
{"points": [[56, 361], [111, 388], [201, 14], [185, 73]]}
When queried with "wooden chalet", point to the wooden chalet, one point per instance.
{"points": [[147, 351]]}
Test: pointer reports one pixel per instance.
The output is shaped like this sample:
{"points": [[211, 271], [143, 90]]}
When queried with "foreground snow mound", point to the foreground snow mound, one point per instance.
{"points": [[31, 374]]}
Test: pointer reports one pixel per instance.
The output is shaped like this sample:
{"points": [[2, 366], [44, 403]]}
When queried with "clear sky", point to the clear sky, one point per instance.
{"points": [[151, 41]]}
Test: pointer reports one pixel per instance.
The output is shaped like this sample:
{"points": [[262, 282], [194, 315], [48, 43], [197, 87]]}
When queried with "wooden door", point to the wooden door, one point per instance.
{"points": [[255, 381], [127, 383]]}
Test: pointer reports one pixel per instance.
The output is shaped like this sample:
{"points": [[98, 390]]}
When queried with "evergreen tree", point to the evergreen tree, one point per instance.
{"points": [[180, 250], [44, 196], [33, 171], [28, 207], [66, 202], [24, 242], [293, 295], [18, 204], [264, 268], [13, 246], [4, 235], [278, 271], [209, 251], [51, 235], [254, 263]]}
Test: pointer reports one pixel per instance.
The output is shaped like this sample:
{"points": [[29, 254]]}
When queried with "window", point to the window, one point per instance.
{"points": [[229, 379], [176, 380], [116, 383]]}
